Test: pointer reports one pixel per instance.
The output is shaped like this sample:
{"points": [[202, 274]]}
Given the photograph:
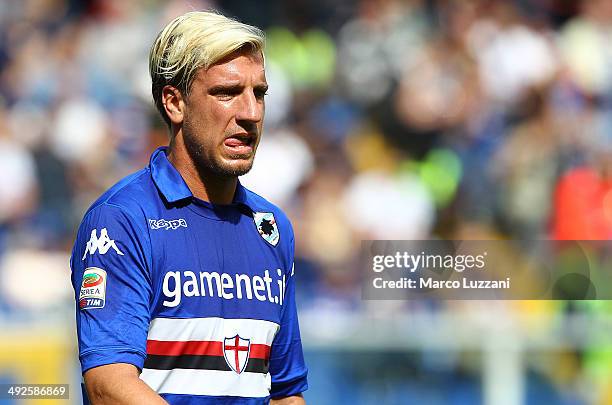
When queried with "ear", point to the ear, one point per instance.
{"points": [[174, 104]]}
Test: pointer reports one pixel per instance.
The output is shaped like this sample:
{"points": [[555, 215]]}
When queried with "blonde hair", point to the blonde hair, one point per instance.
{"points": [[195, 40]]}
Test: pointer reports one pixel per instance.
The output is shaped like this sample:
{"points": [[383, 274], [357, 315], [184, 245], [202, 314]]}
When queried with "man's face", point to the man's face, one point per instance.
{"points": [[224, 114]]}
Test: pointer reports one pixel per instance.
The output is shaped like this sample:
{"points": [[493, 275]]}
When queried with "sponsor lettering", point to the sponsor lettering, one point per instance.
{"points": [[179, 285], [167, 224]]}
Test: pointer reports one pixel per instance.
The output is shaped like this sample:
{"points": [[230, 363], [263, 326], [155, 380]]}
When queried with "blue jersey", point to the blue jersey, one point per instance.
{"points": [[200, 297]]}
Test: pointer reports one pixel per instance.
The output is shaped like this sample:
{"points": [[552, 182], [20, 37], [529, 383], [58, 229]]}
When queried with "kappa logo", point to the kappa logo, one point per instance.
{"points": [[236, 351], [165, 224], [101, 244], [266, 226], [93, 289]]}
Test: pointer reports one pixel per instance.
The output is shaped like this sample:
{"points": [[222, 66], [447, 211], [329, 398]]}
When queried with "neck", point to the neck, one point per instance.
{"points": [[204, 185]]}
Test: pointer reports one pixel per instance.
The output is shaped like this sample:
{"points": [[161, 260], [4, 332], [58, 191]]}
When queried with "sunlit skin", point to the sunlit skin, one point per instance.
{"points": [[217, 127]]}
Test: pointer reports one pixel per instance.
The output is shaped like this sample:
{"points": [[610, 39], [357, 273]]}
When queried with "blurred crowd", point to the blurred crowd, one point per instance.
{"points": [[386, 119]]}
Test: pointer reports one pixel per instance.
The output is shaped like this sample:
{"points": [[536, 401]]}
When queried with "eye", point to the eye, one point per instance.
{"points": [[225, 93], [260, 94]]}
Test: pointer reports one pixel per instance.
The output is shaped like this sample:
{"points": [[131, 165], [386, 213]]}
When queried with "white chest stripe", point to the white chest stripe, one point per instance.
{"points": [[207, 382], [212, 329]]}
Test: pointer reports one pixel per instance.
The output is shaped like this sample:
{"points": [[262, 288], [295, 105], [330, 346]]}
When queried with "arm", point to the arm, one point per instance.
{"points": [[109, 260], [119, 384], [292, 400]]}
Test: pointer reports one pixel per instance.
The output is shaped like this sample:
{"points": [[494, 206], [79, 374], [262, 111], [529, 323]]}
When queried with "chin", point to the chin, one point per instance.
{"points": [[234, 168]]}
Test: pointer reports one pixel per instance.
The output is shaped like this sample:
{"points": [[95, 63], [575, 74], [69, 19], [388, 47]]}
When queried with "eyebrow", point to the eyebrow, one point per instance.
{"points": [[224, 87], [235, 86]]}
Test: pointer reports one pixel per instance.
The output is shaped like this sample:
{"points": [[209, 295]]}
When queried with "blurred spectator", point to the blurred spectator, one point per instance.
{"points": [[377, 45], [526, 168], [18, 181], [585, 43], [512, 56]]}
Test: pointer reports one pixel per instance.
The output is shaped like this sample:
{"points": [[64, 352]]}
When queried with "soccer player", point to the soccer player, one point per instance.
{"points": [[184, 279]]}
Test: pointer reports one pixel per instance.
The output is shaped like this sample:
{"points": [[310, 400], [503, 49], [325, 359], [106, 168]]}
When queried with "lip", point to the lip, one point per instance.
{"points": [[239, 144]]}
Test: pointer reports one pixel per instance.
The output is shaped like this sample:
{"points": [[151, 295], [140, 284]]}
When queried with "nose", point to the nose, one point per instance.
{"points": [[251, 108]]}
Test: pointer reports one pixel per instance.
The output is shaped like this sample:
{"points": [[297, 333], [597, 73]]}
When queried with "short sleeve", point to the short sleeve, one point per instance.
{"points": [[287, 367], [112, 287]]}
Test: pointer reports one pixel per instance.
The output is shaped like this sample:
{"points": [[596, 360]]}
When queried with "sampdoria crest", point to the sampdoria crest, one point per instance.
{"points": [[266, 226]]}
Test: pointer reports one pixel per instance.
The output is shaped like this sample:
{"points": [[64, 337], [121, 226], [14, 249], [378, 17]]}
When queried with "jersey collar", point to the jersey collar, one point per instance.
{"points": [[172, 186], [167, 179]]}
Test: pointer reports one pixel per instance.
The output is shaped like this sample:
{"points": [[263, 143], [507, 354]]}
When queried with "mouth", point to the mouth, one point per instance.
{"points": [[240, 144]]}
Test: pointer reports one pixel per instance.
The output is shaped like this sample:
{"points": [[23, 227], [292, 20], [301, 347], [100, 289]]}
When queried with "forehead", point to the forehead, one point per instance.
{"points": [[238, 66]]}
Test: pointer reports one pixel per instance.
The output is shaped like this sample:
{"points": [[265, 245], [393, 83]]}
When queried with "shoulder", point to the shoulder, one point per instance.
{"points": [[118, 217], [122, 210]]}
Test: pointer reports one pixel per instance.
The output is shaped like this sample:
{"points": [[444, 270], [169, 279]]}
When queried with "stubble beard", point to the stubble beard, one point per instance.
{"points": [[213, 166]]}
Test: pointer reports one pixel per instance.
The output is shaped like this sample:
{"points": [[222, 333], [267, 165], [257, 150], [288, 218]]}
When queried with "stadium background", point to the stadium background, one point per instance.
{"points": [[386, 119]]}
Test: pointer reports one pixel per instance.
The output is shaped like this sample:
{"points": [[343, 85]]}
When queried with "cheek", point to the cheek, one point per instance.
{"points": [[220, 118], [206, 121]]}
